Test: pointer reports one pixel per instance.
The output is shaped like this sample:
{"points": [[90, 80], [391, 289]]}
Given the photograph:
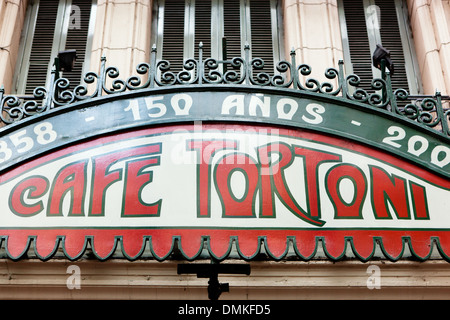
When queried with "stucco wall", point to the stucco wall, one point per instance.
{"points": [[12, 13], [430, 23]]}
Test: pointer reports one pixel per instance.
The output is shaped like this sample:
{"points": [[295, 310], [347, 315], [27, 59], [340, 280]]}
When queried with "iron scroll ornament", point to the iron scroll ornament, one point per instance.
{"points": [[426, 111]]}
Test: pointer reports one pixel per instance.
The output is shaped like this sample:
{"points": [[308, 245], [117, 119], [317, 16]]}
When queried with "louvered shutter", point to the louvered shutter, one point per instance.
{"points": [[42, 44], [77, 37], [232, 27], [391, 39], [173, 41], [261, 33], [202, 27], [358, 40], [359, 47], [257, 31]]}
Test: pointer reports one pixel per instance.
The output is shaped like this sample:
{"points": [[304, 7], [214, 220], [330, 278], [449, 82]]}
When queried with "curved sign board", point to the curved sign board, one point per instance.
{"points": [[286, 169]]}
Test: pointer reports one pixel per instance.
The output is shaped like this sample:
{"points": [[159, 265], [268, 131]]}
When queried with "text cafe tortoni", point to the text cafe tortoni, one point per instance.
{"points": [[320, 176]]}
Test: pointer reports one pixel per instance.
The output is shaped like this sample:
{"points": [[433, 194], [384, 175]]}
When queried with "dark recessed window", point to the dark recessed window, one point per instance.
{"points": [[366, 23], [223, 26], [50, 27]]}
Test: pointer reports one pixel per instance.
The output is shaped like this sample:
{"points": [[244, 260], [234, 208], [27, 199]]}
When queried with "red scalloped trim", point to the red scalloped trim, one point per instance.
{"points": [[161, 242]]}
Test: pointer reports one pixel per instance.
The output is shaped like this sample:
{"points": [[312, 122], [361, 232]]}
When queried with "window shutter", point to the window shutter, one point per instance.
{"points": [[77, 37], [41, 47], [361, 56], [257, 32], [173, 38], [232, 27], [231, 23], [392, 41], [44, 43], [203, 27], [261, 33]]}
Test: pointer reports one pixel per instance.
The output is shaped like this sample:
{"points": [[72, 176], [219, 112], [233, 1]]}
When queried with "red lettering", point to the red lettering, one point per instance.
{"points": [[69, 180], [313, 159], [419, 198], [103, 178], [277, 183], [267, 171], [205, 151], [135, 181], [225, 168], [388, 189], [346, 209], [37, 187]]}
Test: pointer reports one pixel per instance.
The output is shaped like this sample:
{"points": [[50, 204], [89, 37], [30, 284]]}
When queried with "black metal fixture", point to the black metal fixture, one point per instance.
{"points": [[212, 271], [66, 60], [382, 56], [224, 53]]}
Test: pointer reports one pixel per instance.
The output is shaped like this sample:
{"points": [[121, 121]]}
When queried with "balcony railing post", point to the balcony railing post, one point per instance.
{"points": [[294, 71], [200, 63], [48, 102], [152, 71], [247, 63], [341, 79], [102, 76], [441, 114], [388, 93], [2, 92]]}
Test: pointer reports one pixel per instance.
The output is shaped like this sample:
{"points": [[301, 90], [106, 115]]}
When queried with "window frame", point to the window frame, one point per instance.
{"points": [[59, 41], [374, 37], [190, 46]]}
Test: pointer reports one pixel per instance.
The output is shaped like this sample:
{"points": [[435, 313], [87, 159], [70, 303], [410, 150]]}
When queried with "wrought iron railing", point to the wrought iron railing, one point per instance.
{"points": [[429, 111]]}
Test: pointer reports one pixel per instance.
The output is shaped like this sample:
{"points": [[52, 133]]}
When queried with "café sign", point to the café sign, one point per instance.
{"points": [[226, 167]]}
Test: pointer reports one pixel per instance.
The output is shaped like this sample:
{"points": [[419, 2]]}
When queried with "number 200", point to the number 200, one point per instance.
{"points": [[418, 145], [44, 134]]}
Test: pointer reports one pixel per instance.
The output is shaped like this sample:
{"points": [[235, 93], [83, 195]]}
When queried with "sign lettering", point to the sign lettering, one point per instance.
{"points": [[280, 176]]}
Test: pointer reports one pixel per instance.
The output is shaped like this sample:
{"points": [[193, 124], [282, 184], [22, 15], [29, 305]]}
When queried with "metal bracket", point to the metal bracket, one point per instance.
{"points": [[212, 271]]}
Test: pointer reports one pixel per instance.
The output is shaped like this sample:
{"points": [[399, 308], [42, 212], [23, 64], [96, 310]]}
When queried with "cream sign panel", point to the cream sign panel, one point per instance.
{"points": [[223, 176]]}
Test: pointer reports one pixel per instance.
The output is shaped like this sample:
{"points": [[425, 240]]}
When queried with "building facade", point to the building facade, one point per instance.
{"points": [[321, 40]]}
